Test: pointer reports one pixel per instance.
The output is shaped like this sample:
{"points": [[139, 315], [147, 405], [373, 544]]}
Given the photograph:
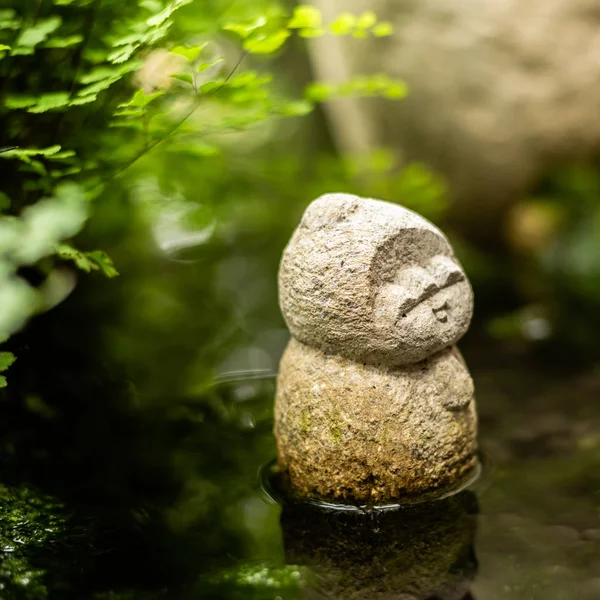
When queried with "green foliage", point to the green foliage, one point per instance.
{"points": [[6, 360], [35, 34], [56, 64], [87, 261], [71, 122], [26, 240], [378, 84], [307, 19], [262, 36], [239, 100]]}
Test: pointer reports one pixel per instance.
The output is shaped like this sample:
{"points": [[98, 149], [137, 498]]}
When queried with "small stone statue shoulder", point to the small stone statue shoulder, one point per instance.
{"points": [[374, 403]]}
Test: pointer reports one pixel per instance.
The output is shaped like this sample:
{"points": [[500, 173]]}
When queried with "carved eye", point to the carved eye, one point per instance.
{"points": [[445, 271], [413, 284]]}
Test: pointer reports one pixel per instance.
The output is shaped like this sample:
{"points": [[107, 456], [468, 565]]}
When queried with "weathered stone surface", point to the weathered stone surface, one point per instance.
{"points": [[499, 90], [361, 433], [372, 281]]}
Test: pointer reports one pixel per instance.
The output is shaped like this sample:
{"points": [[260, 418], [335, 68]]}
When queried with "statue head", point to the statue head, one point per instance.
{"points": [[372, 281]]}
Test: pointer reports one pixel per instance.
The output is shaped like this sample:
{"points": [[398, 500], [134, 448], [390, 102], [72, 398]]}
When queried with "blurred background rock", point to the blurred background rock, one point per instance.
{"points": [[500, 105]]}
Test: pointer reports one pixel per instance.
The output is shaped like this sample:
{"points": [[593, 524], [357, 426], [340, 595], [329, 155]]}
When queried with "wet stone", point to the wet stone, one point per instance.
{"points": [[564, 534], [374, 402], [592, 535]]}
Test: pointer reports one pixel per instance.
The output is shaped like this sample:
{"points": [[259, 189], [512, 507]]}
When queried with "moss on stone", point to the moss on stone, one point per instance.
{"points": [[305, 421], [29, 523], [336, 433]]}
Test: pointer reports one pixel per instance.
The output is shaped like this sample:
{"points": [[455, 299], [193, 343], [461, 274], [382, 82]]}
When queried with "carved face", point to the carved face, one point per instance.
{"points": [[422, 299]]}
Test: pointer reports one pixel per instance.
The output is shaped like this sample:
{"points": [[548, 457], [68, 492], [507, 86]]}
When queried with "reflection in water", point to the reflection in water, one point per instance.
{"points": [[417, 552]]}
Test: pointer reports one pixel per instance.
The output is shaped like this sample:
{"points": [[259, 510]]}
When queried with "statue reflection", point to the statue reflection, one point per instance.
{"points": [[416, 552]]}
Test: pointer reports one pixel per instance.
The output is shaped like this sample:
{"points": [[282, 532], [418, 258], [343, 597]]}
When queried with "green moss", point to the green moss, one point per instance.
{"points": [[29, 523], [334, 423], [305, 421], [258, 581], [336, 433]]}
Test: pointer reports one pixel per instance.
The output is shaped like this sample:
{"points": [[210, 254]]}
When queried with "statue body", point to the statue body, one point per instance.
{"points": [[374, 403]]}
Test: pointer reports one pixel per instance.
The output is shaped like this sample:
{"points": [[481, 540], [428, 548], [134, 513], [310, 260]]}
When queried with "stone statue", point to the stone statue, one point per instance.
{"points": [[374, 403]]}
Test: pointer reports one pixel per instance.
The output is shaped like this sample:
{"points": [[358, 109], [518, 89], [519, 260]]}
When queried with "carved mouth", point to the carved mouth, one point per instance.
{"points": [[441, 312]]}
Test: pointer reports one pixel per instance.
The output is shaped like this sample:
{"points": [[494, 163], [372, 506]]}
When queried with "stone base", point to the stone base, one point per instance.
{"points": [[371, 435]]}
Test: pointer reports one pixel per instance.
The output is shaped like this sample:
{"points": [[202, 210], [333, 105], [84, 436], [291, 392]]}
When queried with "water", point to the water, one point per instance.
{"points": [[119, 502]]}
